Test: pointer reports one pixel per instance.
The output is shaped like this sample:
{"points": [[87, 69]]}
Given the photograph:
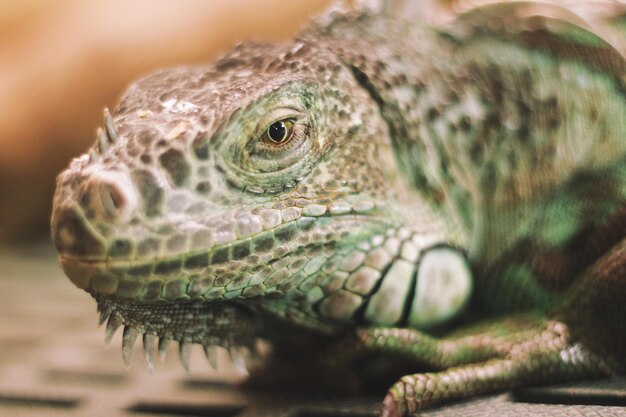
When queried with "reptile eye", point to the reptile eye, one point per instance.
{"points": [[280, 139], [279, 132]]}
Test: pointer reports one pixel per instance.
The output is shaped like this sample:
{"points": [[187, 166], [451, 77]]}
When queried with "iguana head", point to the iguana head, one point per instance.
{"points": [[221, 191]]}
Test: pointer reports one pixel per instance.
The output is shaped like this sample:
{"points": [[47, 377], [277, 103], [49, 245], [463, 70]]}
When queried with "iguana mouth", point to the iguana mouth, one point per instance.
{"points": [[228, 325]]}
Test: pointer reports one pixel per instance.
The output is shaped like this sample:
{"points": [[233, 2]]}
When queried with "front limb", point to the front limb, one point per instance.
{"points": [[490, 357]]}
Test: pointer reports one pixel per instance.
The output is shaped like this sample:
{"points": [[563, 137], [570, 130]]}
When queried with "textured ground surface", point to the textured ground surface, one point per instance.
{"points": [[53, 363]]}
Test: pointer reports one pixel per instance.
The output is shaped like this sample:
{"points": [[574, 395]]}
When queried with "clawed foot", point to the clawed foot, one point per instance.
{"points": [[486, 358]]}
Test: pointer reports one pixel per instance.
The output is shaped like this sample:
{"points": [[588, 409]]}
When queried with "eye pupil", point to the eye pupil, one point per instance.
{"points": [[277, 131]]}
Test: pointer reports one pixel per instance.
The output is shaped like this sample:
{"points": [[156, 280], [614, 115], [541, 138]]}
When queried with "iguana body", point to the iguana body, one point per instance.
{"points": [[345, 184]]}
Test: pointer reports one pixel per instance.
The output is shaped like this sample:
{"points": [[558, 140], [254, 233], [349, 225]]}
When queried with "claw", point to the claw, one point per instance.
{"points": [[149, 346], [163, 343], [211, 354], [109, 127], [114, 322], [185, 353], [128, 341]]}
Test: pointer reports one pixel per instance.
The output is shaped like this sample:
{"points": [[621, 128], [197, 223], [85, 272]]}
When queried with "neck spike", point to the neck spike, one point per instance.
{"points": [[109, 128], [102, 141]]}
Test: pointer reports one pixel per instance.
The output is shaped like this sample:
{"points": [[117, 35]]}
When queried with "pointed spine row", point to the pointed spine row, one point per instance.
{"points": [[152, 342]]}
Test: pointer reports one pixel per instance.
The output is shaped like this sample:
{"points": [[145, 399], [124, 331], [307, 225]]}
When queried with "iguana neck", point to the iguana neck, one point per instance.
{"points": [[395, 70]]}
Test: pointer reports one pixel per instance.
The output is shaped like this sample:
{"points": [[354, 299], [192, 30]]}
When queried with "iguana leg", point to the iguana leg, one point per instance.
{"points": [[546, 356], [485, 358]]}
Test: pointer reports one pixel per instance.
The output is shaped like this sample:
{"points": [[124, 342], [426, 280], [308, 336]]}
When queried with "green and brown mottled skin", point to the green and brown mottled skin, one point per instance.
{"points": [[426, 172]]}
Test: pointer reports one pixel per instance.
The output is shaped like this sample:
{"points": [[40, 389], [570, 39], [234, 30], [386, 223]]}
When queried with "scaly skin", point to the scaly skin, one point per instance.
{"points": [[409, 174]]}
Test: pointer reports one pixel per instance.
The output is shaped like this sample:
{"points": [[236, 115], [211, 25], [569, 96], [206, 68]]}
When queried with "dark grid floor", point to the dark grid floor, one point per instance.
{"points": [[53, 363]]}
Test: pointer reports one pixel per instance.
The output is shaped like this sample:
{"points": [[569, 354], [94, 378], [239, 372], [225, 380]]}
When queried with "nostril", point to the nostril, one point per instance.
{"points": [[113, 196], [112, 200]]}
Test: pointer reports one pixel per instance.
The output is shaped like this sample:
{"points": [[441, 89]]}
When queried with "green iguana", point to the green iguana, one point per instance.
{"points": [[451, 195]]}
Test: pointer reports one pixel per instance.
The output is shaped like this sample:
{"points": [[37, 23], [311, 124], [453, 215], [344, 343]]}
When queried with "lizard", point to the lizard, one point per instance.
{"points": [[451, 195]]}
